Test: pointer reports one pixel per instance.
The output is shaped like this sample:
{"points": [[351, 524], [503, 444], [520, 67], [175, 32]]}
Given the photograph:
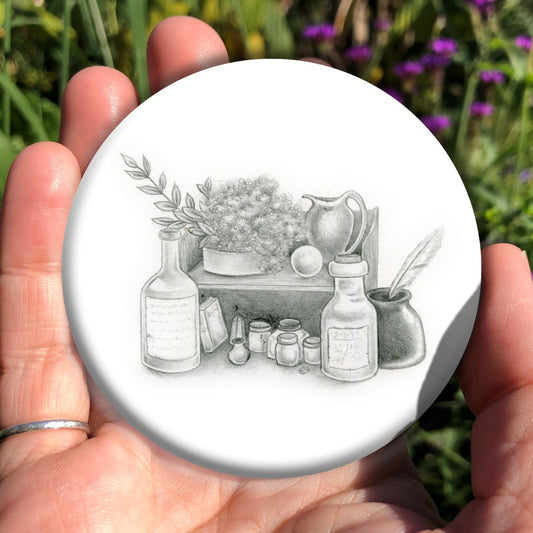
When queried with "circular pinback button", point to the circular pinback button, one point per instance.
{"points": [[271, 192]]}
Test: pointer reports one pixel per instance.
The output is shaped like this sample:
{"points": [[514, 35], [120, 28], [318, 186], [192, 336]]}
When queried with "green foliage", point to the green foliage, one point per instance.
{"points": [[439, 444], [493, 152], [137, 17]]}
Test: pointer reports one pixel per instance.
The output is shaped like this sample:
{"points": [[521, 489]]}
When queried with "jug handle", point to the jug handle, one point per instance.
{"points": [[364, 218]]}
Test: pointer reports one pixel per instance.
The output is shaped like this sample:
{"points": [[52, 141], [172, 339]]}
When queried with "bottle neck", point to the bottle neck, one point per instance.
{"points": [[170, 256], [353, 286]]}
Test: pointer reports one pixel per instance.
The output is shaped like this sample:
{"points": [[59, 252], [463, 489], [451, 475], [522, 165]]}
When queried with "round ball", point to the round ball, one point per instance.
{"points": [[307, 261]]}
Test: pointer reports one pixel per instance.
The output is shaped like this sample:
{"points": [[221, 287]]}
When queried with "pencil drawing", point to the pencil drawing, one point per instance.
{"points": [[248, 272]]}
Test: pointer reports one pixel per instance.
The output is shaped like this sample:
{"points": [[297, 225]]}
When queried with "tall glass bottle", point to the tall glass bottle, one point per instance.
{"points": [[170, 313], [349, 324]]}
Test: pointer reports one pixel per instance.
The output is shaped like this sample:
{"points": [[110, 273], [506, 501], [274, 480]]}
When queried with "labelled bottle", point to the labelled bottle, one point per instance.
{"points": [[349, 324], [170, 313]]}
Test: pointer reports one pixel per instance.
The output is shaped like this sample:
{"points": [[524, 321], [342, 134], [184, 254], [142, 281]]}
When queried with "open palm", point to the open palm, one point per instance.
{"points": [[117, 480]]}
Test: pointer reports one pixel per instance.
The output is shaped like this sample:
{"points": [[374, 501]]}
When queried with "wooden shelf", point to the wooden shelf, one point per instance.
{"points": [[286, 280], [191, 261]]}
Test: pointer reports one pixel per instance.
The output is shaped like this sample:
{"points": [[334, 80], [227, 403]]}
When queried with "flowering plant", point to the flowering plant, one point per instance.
{"points": [[465, 68], [249, 215]]}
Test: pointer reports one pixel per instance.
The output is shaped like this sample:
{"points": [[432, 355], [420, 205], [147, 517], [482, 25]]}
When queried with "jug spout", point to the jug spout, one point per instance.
{"points": [[310, 197], [323, 201], [330, 224]]}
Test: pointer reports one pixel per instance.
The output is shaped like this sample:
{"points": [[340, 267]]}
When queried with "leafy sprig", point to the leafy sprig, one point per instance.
{"points": [[188, 216], [246, 216]]}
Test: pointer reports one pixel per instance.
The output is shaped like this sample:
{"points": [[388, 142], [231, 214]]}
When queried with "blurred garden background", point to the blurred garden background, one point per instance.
{"points": [[464, 67]]}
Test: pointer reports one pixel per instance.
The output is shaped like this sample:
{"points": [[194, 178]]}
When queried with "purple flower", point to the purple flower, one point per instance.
{"points": [[434, 61], [436, 123], [524, 42], [485, 7], [492, 76], [382, 24], [360, 54], [409, 69], [397, 95], [320, 32], [444, 46], [525, 175], [481, 109]]}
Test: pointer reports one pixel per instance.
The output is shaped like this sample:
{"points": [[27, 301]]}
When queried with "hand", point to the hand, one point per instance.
{"points": [[117, 480]]}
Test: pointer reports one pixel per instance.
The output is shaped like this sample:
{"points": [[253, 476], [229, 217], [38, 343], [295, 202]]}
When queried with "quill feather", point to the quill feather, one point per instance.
{"points": [[417, 260]]}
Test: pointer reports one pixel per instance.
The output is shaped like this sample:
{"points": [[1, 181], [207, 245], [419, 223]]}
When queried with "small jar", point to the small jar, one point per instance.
{"points": [[258, 337], [238, 354], [286, 325], [287, 350], [312, 350]]}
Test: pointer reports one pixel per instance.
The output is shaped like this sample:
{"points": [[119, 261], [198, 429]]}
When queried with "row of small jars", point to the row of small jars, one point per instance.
{"points": [[288, 344]]}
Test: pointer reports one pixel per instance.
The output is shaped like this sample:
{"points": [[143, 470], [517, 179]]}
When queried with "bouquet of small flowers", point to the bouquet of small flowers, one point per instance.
{"points": [[249, 215]]}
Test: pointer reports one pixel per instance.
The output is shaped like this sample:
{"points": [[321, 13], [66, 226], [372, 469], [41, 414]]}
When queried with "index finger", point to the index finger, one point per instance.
{"points": [[499, 356]]}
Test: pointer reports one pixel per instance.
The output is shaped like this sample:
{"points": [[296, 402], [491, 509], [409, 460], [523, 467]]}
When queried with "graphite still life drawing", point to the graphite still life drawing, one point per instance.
{"points": [[246, 227]]}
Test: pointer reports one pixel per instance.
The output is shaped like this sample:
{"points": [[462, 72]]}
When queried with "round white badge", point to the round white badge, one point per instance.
{"points": [[271, 268]]}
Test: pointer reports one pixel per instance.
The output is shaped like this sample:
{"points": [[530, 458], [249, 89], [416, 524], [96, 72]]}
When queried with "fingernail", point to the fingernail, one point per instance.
{"points": [[526, 260]]}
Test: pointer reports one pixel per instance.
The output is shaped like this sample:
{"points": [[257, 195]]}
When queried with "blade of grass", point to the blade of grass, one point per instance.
{"points": [[465, 114], [280, 40], [19, 100], [404, 18], [523, 146], [451, 454], [241, 21], [342, 13], [7, 156], [22, 22], [99, 30], [6, 101], [65, 48], [503, 113], [88, 25], [137, 14]]}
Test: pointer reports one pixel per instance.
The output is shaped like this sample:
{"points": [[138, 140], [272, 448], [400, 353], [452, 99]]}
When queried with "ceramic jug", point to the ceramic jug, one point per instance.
{"points": [[331, 224]]}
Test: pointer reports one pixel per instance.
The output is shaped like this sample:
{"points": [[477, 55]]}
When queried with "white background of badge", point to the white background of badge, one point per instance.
{"points": [[318, 131]]}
